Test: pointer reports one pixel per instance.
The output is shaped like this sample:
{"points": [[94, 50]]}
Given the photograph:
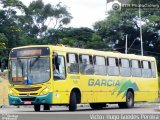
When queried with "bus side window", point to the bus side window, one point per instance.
{"points": [[100, 66], [72, 63], [59, 70], [86, 64], [146, 69], [124, 67], [113, 68], [153, 68], [136, 68]]}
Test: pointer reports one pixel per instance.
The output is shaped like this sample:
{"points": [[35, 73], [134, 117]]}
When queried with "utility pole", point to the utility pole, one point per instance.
{"points": [[141, 38], [126, 44]]}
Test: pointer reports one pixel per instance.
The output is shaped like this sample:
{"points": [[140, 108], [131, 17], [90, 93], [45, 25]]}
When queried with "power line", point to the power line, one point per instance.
{"points": [[132, 44]]}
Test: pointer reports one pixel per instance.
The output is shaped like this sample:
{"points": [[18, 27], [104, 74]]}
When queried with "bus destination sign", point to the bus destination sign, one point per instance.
{"points": [[26, 52]]}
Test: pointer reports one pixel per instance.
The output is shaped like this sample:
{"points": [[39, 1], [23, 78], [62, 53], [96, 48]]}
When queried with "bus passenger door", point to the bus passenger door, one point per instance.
{"points": [[60, 88]]}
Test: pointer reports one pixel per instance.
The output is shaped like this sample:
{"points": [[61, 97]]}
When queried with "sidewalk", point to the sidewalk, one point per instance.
{"points": [[4, 88]]}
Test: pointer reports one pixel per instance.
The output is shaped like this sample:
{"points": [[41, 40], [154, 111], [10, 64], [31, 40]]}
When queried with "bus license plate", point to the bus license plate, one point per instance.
{"points": [[27, 102]]}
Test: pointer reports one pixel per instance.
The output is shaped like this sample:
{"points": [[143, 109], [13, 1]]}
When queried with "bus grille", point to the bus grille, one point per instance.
{"points": [[28, 89], [28, 99]]}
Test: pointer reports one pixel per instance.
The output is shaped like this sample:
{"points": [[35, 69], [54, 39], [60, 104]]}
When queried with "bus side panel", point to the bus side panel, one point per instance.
{"points": [[147, 89], [98, 92], [100, 89], [97, 88], [87, 91], [60, 98]]}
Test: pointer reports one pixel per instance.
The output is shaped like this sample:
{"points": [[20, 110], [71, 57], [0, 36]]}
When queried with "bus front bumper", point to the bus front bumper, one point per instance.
{"points": [[30, 100]]}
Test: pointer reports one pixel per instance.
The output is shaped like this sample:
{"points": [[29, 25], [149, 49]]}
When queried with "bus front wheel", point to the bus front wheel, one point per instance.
{"points": [[46, 107], [37, 108], [129, 101], [73, 102]]}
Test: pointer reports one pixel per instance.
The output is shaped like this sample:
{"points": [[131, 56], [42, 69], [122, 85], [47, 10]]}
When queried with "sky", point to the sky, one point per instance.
{"points": [[84, 12]]}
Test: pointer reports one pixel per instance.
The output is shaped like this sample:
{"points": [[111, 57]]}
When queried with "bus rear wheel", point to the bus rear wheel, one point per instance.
{"points": [[73, 102], [129, 101], [37, 108], [97, 105]]}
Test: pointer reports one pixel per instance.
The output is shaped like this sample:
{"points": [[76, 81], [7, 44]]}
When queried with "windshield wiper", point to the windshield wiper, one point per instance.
{"points": [[32, 64]]}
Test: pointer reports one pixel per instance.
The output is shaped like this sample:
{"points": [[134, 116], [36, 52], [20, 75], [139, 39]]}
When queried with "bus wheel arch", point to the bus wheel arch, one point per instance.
{"points": [[129, 100], [131, 89]]}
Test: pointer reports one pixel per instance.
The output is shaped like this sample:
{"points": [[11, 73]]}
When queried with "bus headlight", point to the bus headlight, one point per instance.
{"points": [[45, 91]]}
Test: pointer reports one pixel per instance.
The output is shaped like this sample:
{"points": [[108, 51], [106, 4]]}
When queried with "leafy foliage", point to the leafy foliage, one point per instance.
{"points": [[3, 41], [76, 37], [118, 24], [40, 16], [3, 45]]}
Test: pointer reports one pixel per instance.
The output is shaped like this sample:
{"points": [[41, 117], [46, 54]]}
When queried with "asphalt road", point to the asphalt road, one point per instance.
{"points": [[83, 112]]}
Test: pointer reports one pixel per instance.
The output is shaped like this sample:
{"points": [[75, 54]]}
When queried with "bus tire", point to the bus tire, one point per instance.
{"points": [[97, 105], [37, 108], [129, 101], [72, 102], [46, 107]]}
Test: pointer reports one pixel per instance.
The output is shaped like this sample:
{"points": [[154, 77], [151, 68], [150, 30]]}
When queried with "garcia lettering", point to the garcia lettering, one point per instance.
{"points": [[93, 82]]}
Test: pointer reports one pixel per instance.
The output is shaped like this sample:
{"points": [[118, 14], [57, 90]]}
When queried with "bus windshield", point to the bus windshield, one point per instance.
{"points": [[29, 71]]}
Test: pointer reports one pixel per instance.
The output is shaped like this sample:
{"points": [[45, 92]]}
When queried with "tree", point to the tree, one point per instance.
{"points": [[3, 47], [24, 25], [76, 37], [3, 41], [126, 22], [97, 42], [8, 21], [39, 17]]}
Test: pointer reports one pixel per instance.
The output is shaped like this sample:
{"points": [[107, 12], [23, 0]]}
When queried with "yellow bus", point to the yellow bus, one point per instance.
{"points": [[58, 75]]}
